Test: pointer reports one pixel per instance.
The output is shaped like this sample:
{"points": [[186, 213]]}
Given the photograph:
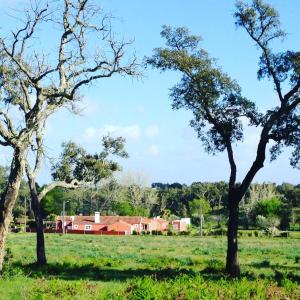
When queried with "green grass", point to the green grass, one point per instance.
{"points": [[150, 267]]}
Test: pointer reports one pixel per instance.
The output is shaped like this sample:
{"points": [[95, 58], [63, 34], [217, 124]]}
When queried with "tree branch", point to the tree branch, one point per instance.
{"points": [[74, 184]]}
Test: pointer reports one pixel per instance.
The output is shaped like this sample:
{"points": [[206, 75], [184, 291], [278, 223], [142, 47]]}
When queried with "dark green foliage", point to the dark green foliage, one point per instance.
{"points": [[262, 24], [76, 163], [127, 209], [156, 232], [52, 202], [268, 207], [213, 97]]}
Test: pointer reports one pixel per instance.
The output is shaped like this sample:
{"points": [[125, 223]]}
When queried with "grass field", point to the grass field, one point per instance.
{"points": [[150, 267]]}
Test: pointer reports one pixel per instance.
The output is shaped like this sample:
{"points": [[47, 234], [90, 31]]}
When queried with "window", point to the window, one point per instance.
{"points": [[75, 226], [87, 227]]}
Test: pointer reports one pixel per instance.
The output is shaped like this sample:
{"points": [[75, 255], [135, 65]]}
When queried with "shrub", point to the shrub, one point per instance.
{"points": [[240, 233], [197, 251], [269, 224], [297, 259], [156, 232], [184, 233], [256, 233], [250, 233], [220, 231], [134, 232]]}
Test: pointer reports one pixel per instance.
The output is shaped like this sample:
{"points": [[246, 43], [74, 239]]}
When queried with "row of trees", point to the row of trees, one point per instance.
{"points": [[278, 204]]}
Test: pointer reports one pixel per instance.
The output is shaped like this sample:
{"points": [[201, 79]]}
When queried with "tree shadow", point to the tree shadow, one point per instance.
{"points": [[71, 271], [267, 264], [68, 271]]}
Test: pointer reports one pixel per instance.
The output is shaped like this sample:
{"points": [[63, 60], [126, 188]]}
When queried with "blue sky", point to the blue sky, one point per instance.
{"points": [[159, 140]]}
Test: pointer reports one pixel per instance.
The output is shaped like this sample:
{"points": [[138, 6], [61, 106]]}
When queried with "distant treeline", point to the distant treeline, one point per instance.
{"points": [[278, 204]]}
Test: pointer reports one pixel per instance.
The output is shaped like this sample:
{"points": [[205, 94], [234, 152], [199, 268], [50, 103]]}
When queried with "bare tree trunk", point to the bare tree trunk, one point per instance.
{"points": [[40, 240], [232, 262], [9, 197], [37, 210]]}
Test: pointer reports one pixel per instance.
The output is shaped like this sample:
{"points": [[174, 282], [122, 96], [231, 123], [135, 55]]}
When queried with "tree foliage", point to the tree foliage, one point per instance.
{"points": [[76, 164]]}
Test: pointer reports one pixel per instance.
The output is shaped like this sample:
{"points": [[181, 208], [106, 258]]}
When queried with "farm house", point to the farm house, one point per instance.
{"points": [[105, 224]]}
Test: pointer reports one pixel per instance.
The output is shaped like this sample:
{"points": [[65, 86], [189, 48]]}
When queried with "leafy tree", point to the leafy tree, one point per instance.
{"points": [[219, 109], [268, 207], [199, 208], [255, 193], [75, 168], [36, 82], [127, 209], [290, 193]]}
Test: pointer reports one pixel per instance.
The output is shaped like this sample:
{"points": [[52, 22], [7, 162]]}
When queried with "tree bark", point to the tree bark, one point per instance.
{"points": [[37, 210], [232, 262], [40, 240], [9, 197]]}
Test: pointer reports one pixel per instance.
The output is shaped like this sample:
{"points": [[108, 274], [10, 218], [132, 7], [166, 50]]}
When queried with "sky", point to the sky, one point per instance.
{"points": [[159, 140]]}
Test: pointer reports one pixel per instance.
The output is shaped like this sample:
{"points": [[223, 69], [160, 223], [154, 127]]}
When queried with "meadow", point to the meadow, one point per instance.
{"points": [[150, 267]]}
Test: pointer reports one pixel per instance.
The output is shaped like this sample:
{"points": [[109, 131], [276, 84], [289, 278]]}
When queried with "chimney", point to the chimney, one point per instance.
{"points": [[97, 217]]}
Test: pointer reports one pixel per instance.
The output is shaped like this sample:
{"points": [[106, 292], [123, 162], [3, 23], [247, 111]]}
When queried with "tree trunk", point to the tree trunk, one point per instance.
{"points": [[37, 210], [40, 240], [232, 262], [9, 197]]}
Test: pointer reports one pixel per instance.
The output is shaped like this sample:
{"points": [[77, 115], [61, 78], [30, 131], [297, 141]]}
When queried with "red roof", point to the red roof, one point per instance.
{"points": [[107, 220]]}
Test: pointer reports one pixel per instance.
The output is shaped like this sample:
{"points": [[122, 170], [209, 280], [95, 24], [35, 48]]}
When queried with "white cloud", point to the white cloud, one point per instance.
{"points": [[153, 150], [152, 131], [89, 107], [131, 132]]}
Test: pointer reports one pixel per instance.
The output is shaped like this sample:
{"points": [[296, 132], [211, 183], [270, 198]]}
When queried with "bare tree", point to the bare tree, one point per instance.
{"points": [[35, 83]]}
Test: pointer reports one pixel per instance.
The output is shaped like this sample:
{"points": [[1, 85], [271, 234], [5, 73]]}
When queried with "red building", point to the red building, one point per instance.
{"points": [[123, 224], [179, 225]]}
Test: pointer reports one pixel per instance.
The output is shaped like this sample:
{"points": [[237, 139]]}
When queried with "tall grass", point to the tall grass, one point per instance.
{"points": [[150, 267]]}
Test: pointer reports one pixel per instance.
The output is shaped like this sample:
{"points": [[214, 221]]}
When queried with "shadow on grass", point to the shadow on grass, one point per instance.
{"points": [[267, 264], [69, 271]]}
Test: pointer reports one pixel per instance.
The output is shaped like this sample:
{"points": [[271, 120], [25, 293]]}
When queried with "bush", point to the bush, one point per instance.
{"points": [[220, 231], [184, 233], [240, 233], [250, 233], [269, 224], [156, 232], [134, 232], [256, 233]]}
